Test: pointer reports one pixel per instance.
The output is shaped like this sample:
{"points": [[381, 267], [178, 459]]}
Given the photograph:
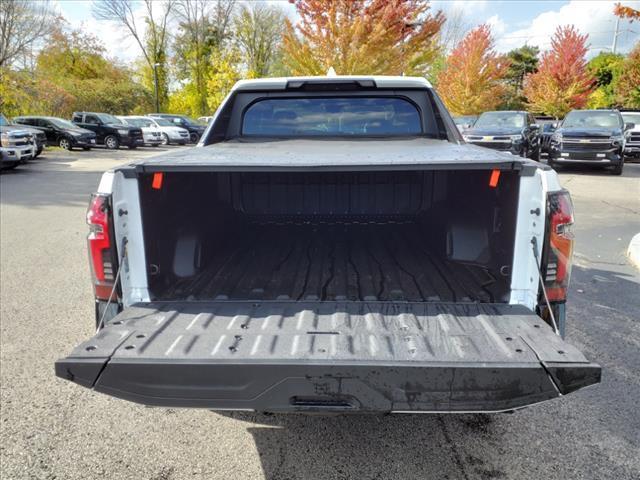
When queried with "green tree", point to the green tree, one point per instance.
{"points": [[606, 68], [204, 28], [258, 33], [224, 74], [523, 61]]}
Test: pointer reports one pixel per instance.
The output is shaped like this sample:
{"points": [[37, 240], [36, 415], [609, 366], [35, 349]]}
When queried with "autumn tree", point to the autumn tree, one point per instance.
{"points": [[628, 85], [622, 11], [472, 81], [562, 81], [362, 37]]}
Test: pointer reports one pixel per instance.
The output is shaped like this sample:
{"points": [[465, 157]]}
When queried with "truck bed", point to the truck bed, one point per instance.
{"points": [[284, 259]]}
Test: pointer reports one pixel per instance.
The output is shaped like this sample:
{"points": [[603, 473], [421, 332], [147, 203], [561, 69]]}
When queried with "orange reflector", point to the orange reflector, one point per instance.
{"points": [[156, 184], [495, 177]]}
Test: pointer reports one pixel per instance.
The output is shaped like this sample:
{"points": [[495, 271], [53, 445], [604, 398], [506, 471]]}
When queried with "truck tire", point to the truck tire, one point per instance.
{"points": [[65, 143], [617, 169], [112, 142]]}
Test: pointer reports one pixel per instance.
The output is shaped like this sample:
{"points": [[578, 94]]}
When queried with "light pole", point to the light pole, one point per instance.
{"points": [[155, 83]]}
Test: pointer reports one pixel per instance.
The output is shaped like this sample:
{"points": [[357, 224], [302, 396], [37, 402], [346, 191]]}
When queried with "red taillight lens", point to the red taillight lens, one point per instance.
{"points": [[100, 247], [560, 247]]}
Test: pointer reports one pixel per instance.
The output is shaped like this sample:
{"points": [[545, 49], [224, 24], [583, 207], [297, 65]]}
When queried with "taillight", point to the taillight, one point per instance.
{"points": [[100, 246], [559, 251]]}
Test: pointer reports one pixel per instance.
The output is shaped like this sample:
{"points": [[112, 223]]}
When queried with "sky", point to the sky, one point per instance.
{"points": [[513, 22]]}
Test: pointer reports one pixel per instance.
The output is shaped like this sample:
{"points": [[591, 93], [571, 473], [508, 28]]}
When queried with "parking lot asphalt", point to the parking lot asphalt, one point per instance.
{"points": [[51, 428]]}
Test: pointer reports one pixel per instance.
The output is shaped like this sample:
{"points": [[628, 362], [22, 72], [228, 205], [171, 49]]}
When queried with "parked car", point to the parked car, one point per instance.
{"points": [[17, 144], [632, 140], [60, 132], [464, 122], [110, 131], [590, 137], [331, 246], [151, 134], [38, 136], [169, 131], [194, 128], [510, 131], [205, 119]]}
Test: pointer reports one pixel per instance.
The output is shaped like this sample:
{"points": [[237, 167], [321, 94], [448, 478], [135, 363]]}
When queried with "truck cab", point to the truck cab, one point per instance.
{"points": [[331, 246]]}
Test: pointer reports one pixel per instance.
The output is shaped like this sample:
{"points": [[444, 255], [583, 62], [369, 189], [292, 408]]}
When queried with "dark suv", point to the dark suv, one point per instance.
{"points": [[60, 132], [195, 129], [590, 137], [512, 131], [110, 131]]}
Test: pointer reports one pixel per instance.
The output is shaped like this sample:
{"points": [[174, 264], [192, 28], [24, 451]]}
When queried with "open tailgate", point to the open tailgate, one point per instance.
{"points": [[329, 356]]}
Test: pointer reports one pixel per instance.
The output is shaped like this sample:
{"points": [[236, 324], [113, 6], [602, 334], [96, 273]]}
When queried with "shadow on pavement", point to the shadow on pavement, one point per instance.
{"points": [[370, 447]]}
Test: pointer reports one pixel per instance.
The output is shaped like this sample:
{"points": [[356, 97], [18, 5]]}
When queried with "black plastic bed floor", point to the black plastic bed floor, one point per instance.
{"points": [[358, 262]]}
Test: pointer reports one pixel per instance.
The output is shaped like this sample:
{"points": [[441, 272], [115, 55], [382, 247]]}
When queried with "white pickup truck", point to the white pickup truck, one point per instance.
{"points": [[331, 245]]}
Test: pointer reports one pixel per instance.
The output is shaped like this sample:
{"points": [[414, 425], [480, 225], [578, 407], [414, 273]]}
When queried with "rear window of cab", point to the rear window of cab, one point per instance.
{"points": [[332, 116]]}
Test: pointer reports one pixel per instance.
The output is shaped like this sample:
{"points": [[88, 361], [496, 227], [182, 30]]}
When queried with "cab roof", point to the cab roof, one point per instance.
{"points": [[364, 81]]}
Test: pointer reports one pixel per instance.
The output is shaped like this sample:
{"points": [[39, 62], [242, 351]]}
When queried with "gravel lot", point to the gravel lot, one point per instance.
{"points": [[51, 428]]}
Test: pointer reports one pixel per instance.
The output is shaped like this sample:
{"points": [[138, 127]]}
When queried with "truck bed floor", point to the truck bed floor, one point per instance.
{"points": [[357, 261]]}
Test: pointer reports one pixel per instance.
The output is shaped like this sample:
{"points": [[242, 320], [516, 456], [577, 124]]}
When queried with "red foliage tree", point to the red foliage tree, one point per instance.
{"points": [[361, 37], [472, 80], [562, 81]]}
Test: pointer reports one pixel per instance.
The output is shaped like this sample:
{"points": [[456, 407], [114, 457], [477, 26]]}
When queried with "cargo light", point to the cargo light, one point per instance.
{"points": [[559, 252], [101, 253]]}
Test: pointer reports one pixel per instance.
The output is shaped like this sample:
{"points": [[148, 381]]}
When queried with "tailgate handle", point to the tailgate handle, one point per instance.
{"points": [[319, 402]]}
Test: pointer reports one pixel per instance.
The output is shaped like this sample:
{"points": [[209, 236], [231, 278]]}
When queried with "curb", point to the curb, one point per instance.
{"points": [[633, 252]]}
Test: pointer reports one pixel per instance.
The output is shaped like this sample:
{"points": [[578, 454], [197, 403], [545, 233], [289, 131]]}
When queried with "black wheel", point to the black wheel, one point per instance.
{"points": [[65, 143], [194, 137], [183, 143], [86, 148], [165, 139], [154, 145], [132, 147], [551, 163], [112, 142], [617, 169], [537, 154], [38, 153]]}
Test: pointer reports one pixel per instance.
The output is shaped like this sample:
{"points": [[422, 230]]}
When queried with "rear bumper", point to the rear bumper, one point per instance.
{"points": [[323, 357]]}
